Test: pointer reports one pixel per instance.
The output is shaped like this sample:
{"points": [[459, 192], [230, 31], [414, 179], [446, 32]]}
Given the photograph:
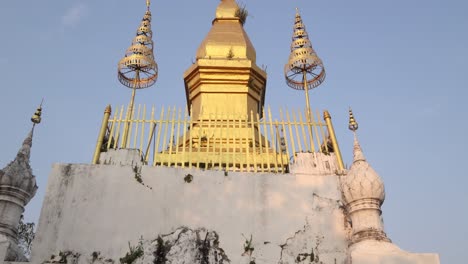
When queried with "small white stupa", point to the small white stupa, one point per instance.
{"points": [[363, 195]]}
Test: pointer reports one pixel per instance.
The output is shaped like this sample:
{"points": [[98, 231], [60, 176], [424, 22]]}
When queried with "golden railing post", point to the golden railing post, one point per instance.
{"points": [[102, 133], [331, 132], [254, 147]]}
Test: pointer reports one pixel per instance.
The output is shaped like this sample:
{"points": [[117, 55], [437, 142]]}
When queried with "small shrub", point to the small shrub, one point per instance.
{"points": [[242, 13], [134, 253]]}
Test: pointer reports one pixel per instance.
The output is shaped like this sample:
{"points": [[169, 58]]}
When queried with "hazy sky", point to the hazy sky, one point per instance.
{"points": [[401, 66]]}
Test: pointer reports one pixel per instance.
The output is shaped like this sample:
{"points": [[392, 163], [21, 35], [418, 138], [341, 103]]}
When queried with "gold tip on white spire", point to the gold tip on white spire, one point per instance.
{"points": [[353, 125]]}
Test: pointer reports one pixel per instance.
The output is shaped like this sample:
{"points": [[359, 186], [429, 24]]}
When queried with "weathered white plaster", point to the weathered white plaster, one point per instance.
{"points": [[380, 252], [314, 164], [92, 212], [130, 157], [101, 208]]}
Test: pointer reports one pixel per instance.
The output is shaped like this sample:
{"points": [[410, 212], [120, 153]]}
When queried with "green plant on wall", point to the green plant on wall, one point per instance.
{"points": [[134, 253]]}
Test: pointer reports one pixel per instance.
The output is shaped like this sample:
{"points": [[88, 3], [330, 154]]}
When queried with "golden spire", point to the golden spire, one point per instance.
{"points": [[304, 69], [36, 118], [138, 69], [148, 3], [353, 125]]}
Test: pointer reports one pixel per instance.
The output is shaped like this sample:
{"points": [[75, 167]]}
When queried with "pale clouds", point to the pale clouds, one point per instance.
{"points": [[74, 14]]}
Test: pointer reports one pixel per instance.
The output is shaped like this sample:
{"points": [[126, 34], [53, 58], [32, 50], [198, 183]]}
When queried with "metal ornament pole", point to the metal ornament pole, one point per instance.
{"points": [[102, 133], [307, 95], [138, 58], [130, 110], [302, 61]]}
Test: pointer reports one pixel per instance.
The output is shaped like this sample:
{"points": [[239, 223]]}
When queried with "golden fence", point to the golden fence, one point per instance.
{"points": [[169, 137]]}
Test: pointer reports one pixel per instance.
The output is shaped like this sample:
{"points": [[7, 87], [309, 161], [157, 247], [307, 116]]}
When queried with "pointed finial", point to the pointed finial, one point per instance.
{"points": [[304, 69], [353, 125], [36, 118], [138, 69], [148, 3]]}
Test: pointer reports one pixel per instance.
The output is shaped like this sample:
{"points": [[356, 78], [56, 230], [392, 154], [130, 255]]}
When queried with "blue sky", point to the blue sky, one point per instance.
{"points": [[401, 66]]}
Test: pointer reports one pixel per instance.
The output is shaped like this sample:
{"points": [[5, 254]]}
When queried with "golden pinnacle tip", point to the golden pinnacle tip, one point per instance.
{"points": [[353, 125]]}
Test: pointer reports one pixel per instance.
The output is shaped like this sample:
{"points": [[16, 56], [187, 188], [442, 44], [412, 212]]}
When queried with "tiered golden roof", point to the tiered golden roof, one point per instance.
{"points": [[225, 78]]}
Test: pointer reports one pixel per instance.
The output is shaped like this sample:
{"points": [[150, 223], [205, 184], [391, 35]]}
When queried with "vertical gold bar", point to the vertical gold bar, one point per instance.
{"points": [[147, 151], [125, 128], [207, 151], [177, 135], [259, 126], [267, 147], [244, 159], [151, 136], [200, 127], [220, 153], [286, 141], [233, 143], [309, 130], [130, 128], [278, 152], [111, 133], [167, 121], [191, 139], [272, 134], [324, 137], [315, 124], [118, 127], [171, 138], [102, 133], [213, 151], [158, 138], [298, 138], [306, 146], [245, 141], [177, 138], [228, 145], [331, 132], [142, 133], [316, 132], [254, 149], [293, 146], [136, 121], [184, 137]]}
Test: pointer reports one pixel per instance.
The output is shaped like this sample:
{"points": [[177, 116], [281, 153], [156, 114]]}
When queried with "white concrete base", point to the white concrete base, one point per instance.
{"points": [[91, 213], [101, 208], [379, 252]]}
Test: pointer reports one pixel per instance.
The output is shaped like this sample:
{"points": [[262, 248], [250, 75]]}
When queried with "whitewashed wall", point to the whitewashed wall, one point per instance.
{"points": [[91, 208]]}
